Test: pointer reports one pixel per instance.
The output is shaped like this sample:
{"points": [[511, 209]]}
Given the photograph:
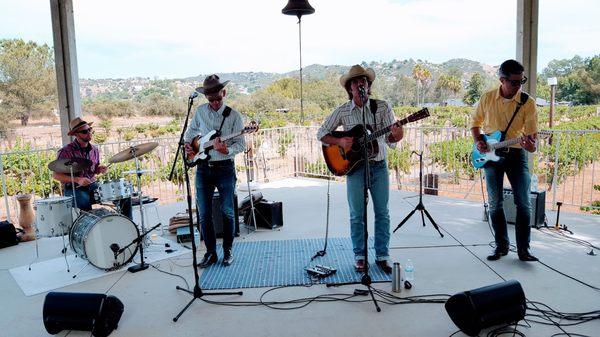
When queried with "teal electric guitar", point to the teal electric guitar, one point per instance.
{"points": [[493, 140]]}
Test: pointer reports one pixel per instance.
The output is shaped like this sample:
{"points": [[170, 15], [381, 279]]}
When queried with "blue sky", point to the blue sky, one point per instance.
{"points": [[180, 38]]}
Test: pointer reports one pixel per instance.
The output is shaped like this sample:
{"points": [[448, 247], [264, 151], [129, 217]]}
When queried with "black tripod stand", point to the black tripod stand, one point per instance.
{"points": [[197, 292], [420, 207]]}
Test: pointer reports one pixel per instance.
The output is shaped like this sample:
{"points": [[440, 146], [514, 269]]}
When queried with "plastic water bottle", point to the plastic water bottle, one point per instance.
{"points": [[409, 271], [534, 183]]}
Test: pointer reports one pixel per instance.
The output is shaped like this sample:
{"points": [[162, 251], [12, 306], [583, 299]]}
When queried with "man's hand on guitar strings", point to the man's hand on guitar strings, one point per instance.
{"points": [[528, 143], [221, 146], [345, 143], [482, 146]]}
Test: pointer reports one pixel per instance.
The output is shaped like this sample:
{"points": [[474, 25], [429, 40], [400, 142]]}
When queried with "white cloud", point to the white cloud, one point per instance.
{"points": [[186, 37]]}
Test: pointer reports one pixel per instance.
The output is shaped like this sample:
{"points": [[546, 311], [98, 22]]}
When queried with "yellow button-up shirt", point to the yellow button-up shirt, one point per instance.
{"points": [[494, 112]]}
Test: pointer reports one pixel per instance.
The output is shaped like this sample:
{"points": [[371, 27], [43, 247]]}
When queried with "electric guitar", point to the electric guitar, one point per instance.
{"points": [[341, 162], [480, 159], [201, 145]]}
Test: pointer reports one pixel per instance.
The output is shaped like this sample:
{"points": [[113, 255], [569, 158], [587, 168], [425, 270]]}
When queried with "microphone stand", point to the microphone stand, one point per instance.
{"points": [[366, 278], [197, 292], [420, 207]]}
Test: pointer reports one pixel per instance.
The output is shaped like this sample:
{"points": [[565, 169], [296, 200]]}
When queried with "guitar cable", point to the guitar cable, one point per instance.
{"points": [[324, 251]]}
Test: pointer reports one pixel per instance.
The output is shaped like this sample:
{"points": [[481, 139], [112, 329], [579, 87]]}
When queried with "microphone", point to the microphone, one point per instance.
{"points": [[115, 249], [194, 95], [361, 91]]}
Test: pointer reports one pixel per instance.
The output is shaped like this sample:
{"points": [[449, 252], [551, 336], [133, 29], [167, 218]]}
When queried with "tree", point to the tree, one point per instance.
{"points": [[474, 89], [422, 75], [446, 85], [27, 77]]}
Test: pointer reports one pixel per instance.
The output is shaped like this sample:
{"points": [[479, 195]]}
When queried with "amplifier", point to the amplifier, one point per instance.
{"points": [[268, 214], [217, 216], [538, 207]]}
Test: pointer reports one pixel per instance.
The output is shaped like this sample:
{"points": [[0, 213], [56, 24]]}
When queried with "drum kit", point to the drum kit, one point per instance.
{"points": [[103, 237]]}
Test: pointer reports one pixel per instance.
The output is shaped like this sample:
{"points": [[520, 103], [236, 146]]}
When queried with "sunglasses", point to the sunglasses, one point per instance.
{"points": [[214, 99], [515, 83], [85, 132]]}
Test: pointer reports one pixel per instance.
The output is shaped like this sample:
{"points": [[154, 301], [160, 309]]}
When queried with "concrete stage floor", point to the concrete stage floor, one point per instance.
{"points": [[445, 265]]}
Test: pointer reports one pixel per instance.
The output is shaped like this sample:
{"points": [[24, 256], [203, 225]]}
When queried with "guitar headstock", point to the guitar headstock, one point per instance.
{"points": [[423, 113], [252, 127]]}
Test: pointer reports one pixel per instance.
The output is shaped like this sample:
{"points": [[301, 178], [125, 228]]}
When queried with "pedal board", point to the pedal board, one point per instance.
{"points": [[321, 271]]}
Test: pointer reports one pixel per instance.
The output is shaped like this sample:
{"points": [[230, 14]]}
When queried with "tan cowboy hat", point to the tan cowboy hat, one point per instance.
{"points": [[356, 71], [76, 124], [211, 85]]}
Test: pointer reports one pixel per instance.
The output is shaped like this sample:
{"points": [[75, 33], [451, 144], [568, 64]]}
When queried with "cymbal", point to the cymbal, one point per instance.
{"points": [[133, 151], [64, 165]]}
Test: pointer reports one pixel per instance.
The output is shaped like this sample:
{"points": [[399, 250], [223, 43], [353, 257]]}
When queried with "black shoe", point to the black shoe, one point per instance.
{"points": [[497, 254], [385, 266], [227, 257], [524, 255], [208, 259]]}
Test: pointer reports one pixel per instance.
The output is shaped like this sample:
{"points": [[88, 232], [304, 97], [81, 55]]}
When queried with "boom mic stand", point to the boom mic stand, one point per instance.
{"points": [[197, 292], [420, 207]]}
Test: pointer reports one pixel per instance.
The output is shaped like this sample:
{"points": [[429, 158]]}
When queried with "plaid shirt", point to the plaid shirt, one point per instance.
{"points": [[74, 150]]}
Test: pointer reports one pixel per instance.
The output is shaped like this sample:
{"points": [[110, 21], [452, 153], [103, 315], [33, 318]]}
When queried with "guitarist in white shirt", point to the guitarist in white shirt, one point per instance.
{"points": [[509, 110], [349, 115], [219, 169]]}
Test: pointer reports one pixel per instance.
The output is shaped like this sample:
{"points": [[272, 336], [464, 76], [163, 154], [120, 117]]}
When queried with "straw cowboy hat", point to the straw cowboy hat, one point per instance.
{"points": [[211, 85], [76, 124], [356, 71]]}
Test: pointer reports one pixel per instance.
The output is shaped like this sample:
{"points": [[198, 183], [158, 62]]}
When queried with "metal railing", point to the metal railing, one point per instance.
{"points": [[565, 164]]}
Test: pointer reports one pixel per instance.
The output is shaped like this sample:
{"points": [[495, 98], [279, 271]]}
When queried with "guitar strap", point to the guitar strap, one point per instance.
{"points": [[524, 98], [226, 113], [373, 108]]}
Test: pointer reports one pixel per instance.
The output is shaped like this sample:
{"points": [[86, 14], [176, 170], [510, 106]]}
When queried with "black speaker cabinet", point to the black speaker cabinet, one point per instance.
{"points": [[97, 313], [538, 207], [269, 214], [218, 216], [473, 310]]}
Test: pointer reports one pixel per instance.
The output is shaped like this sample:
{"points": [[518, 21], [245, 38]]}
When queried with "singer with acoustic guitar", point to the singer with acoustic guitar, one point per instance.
{"points": [[512, 112], [218, 169], [357, 82]]}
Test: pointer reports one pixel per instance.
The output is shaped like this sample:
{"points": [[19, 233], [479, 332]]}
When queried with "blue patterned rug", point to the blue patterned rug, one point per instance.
{"points": [[277, 263]]}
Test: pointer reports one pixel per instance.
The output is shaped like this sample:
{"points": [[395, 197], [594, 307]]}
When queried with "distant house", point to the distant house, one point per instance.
{"points": [[541, 102], [454, 102]]}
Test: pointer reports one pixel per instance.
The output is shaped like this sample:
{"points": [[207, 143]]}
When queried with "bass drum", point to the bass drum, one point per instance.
{"points": [[95, 231]]}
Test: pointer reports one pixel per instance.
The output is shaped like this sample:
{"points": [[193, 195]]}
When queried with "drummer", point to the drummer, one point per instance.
{"points": [[85, 181]]}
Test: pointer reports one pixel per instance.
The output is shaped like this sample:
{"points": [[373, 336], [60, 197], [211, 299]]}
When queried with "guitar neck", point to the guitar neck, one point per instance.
{"points": [[506, 143], [386, 130]]}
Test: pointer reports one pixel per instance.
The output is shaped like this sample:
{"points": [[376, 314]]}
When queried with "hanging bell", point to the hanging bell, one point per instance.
{"points": [[298, 8]]}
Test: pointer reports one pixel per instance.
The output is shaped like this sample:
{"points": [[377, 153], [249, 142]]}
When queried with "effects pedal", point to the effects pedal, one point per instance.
{"points": [[321, 271]]}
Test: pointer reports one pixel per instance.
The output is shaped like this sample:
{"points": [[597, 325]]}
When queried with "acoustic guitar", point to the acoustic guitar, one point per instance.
{"points": [[342, 163]]}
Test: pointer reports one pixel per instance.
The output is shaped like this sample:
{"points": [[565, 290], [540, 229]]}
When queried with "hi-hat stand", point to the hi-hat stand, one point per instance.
{"points": [[197, 292], [142, 265], [420, 207]]}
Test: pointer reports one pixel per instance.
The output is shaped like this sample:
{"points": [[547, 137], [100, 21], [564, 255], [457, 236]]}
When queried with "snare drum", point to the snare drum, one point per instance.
{"points": [[112, 190], [94, 232], [53, 216]]}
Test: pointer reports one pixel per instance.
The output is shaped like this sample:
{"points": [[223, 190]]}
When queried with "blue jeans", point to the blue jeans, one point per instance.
{"points": [[380, 193], [223, 178], [84, 196], [516, 168]]}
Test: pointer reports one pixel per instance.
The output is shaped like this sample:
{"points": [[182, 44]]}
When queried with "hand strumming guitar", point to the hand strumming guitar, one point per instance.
{"points": [[220, 146], [345, 143]]}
